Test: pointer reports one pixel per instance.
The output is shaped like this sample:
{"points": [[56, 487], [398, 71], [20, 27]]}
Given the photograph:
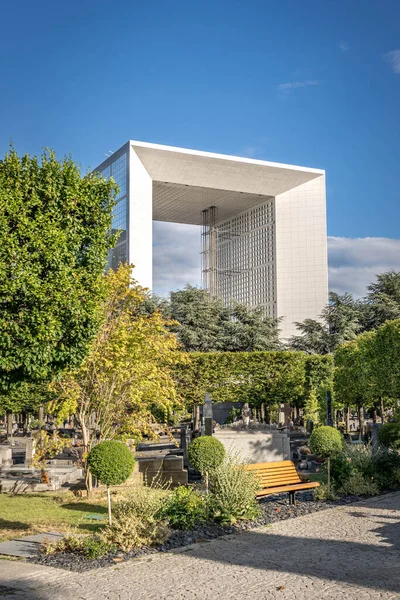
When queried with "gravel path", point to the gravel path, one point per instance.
{"points": [[349, 552]]}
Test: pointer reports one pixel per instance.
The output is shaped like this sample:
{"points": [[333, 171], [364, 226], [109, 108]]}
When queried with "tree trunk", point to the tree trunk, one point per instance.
{"points": [[262, 413], [382, 411], [9, 424], [347, 418], [109, 506], [86, 448], [41, 413], [361, 419], [374, 414]]}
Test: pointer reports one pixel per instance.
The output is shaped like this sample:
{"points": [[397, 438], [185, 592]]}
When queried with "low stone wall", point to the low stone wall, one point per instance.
{"points": [[164, 469], [255, 445]]}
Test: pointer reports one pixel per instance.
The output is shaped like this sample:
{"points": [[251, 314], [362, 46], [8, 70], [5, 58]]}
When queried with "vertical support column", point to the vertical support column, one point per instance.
{"points": [[209, 251], [140, 245]]}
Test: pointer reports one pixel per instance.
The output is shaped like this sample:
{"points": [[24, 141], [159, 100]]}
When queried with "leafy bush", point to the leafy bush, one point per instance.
{"points": [[138, 519], [233, 491], [357, 485], [133, 532], [360, 458], [143, 502], [91, 547], [352, 461], [322, 493], [341, 469], [111, 462], [389, 435], [385, 469], [206, 453], [326, 441], [185, 508]]}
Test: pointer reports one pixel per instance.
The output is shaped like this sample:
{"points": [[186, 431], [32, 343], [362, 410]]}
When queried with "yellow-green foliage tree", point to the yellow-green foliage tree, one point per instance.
{"points": [[127, 373]]}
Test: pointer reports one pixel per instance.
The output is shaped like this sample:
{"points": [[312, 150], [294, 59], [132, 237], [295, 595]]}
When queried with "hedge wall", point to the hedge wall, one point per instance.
{"points": [[255, 377]]}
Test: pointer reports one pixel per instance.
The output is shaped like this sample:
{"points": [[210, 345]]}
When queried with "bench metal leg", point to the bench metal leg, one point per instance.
{"points": [[291, 498]]}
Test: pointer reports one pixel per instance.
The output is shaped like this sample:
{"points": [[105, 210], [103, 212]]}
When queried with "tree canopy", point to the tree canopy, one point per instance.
{"points": [[204, 324], [54, 239], [127, 373], [345, 317]]}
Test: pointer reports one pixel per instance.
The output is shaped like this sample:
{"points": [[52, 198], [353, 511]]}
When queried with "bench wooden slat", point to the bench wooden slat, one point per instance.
{"points": [[278, 477], [279, 481], [270, 465], [288, 488]]}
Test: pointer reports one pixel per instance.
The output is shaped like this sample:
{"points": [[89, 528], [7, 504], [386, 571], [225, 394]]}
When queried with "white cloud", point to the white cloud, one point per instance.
{"points": [[176, 256], [288, 87], [393, 58], [344, 46], [353, 262]]}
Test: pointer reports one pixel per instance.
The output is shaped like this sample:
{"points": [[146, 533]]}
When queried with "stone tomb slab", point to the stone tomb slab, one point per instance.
{"points": [[28, 546]]}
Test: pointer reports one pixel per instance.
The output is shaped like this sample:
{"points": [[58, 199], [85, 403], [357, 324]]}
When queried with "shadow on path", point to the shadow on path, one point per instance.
{"points": [[373, 564]]}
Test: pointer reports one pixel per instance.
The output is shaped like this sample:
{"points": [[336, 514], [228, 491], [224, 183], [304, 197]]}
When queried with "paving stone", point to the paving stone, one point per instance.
{"points": [[27, 547], [350, 552]]}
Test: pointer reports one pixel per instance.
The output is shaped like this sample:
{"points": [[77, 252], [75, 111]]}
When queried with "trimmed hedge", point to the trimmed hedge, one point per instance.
{"points": [[111, 462], [206, 453], [326, 441], [256, 377]]}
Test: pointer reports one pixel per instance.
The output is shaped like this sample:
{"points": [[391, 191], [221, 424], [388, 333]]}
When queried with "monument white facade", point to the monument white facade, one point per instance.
{"points": [[263, 224]]}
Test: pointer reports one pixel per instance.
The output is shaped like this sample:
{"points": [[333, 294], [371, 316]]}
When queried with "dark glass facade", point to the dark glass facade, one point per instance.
{"points": [[118, 170]]}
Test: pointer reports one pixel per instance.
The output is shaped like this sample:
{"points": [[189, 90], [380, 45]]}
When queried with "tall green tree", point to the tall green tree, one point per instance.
{"points": [[206, 325], [355, 381], [54, 239], [339, 322], [383, 300]]}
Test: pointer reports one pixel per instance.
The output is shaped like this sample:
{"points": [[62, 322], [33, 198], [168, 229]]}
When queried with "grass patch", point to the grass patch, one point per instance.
{"points": [[26, 514]]}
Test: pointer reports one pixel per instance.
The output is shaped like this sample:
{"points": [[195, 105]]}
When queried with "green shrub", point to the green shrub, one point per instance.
{"points": [[352, 461], [111, 462], [357, 485], [206, 453], [359, 457], [138, 520], [389, 435], [133, 532], [233, 491], [322, 493], [385, 469], [341, 469], [91, 547], [185, 508], [326, 441], [143, 502]]}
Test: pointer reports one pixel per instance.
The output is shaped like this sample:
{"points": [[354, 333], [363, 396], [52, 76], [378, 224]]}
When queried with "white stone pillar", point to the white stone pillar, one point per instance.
{"points": [[140, 246]]}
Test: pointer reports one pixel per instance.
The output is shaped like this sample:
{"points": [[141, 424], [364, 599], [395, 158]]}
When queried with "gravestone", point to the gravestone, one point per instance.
{"points": [[208, 415]]}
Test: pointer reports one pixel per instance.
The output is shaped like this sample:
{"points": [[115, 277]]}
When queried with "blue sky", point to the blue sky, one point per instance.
{"points": [[314, 83]]}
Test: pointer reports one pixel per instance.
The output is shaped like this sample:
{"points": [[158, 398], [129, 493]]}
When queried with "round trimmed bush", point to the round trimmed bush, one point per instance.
{"points": [[206, 453], [326, 441], [111, 462], [389, 435]]}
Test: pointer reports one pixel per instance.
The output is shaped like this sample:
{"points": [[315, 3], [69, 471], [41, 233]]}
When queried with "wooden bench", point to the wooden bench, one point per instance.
{"points": [[280, 477]]}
